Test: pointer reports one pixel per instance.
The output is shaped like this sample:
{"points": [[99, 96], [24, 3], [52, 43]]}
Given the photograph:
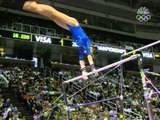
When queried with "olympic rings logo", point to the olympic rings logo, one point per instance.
{"points": [[143, 18]]}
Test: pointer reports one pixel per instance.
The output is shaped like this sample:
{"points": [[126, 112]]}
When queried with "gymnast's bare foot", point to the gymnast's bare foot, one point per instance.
{"points": [[85, 77]]}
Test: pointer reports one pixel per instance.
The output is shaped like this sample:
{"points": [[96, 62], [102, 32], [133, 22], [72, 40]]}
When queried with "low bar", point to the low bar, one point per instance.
{"points": [[155, 93], [152, 73], [153, 85], [95, 102]]}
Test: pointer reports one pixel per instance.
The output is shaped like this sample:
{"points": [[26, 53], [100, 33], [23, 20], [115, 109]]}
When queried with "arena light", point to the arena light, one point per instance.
{"points": [[2, 51]]}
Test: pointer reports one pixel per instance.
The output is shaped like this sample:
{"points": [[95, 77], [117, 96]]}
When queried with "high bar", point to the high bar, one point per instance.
{"points": [[133, 57], [139, 49]]}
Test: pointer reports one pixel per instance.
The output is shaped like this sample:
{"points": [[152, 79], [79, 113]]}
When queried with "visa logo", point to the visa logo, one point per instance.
{"points": [[43, 39]]}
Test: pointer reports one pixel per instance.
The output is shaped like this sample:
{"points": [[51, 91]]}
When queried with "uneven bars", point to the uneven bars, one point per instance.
{"points": [[139, 49], [103, 68], [95, 102]]}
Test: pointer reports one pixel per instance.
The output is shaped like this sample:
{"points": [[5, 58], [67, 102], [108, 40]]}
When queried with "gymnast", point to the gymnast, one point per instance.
{"points": [[68, 23]]}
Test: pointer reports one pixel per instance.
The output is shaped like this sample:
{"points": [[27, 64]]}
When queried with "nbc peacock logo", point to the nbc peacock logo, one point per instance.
{"points": [[143, 14]]}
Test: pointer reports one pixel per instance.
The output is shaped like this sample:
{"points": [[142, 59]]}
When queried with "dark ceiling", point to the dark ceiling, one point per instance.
{"points": [[122, 8], [152, 5], [109, 7]]}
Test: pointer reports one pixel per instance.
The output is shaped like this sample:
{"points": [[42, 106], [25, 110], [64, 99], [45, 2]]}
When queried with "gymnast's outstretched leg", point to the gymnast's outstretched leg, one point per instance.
{"points": [[59, 18], [81, 62]]}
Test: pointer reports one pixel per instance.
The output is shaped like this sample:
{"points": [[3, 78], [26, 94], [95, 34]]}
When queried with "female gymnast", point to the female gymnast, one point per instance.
{"points": [[64, 21], [68, 23]]}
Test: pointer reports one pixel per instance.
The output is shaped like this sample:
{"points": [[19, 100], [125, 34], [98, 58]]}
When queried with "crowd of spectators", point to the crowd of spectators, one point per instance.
{"points": [[43, 96], [33, 90], [7, 110]]}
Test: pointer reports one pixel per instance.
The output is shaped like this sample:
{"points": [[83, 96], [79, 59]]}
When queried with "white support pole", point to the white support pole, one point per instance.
{"points": [[142, 48]]}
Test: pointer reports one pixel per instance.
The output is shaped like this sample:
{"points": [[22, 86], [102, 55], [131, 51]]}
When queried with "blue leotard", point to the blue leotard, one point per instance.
{"points": [[81, 40]]}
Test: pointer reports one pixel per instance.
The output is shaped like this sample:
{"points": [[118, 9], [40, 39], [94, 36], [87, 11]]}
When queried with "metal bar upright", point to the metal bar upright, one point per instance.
{"points": [[65, 101], [121, 91], [145, 88]]}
